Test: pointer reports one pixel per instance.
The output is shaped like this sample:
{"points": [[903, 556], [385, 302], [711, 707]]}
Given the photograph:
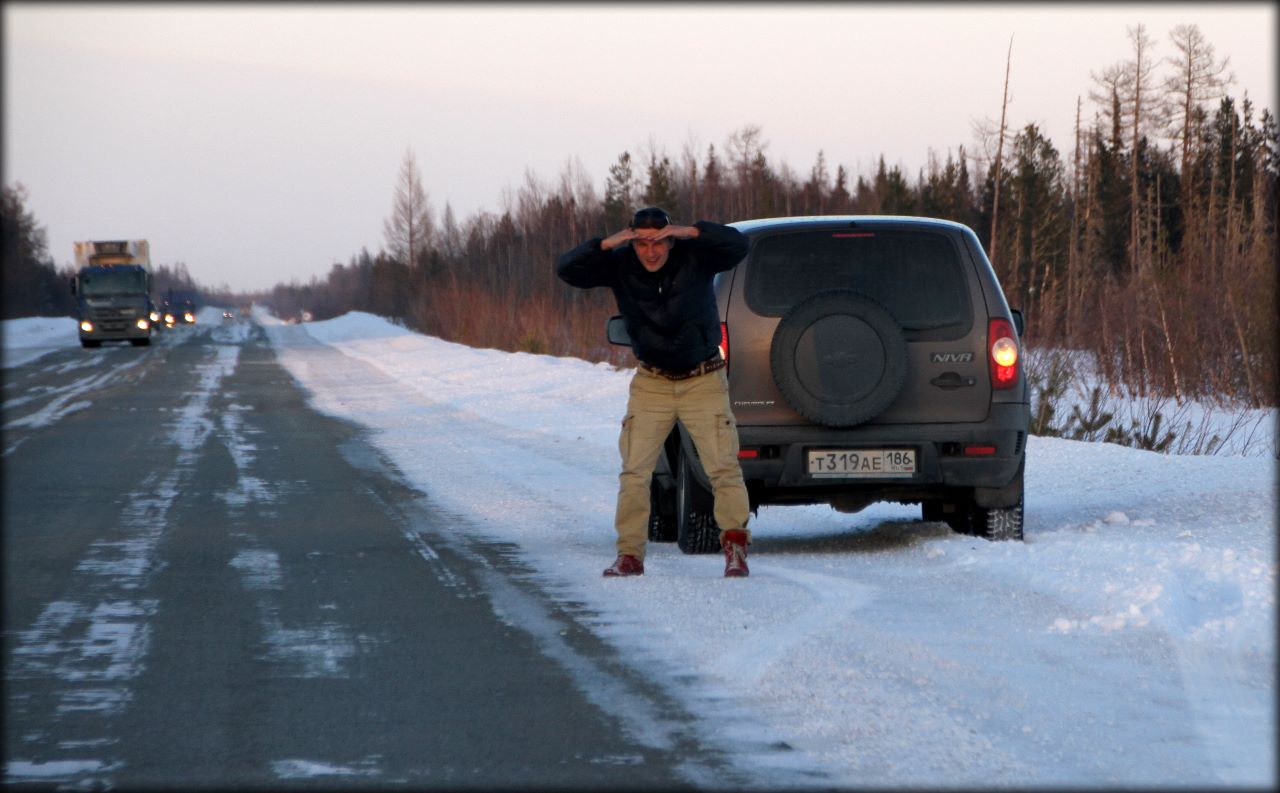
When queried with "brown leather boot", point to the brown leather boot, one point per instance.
{"points": [[734, 544], [625, 565]]}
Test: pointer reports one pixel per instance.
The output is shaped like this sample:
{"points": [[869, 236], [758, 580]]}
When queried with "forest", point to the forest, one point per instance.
{"points": [[1148, 241]]}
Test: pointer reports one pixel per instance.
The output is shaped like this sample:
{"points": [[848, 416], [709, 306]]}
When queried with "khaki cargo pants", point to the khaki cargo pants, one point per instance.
{"points": [[702, 404]]}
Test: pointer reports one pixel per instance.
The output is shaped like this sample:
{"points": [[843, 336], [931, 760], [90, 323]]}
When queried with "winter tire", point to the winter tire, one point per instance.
{"points": [[696, 529], [839, 358], [662, 492], [662, 512], [999, 525]]}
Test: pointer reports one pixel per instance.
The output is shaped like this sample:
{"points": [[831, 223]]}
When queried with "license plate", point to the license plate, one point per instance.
{"points": [[845, 463]]}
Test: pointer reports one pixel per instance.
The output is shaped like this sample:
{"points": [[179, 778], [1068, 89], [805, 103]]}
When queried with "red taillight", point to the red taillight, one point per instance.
{"points": [[724, 340], [748, 454], [1002, 353], [979, 450]]}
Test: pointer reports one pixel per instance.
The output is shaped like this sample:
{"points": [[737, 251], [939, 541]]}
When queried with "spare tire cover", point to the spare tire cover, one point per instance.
{"points": [[839, 358]]}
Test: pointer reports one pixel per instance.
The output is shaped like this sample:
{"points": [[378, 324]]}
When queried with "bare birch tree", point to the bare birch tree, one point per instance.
{"points": [[1073, 250], [995, 201], [1141, 69]]}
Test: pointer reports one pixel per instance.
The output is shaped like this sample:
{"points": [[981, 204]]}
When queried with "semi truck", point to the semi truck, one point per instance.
{"points": [[178, 308], [113, 291]]}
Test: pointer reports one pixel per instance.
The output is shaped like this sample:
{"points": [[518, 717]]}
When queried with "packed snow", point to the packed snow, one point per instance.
{"points": [[1129, 641], [32, 337]]}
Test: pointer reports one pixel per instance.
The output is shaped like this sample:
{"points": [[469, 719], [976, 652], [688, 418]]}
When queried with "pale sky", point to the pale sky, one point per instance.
{"points": [[261, 144]]}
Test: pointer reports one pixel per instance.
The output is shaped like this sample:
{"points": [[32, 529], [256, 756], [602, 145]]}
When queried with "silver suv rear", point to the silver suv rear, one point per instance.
{"points": [[870, 359]]}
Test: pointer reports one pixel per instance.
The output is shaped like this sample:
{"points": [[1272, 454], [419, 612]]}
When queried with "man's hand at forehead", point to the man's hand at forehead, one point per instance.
{"points": [[618, 239], [671, 232]]}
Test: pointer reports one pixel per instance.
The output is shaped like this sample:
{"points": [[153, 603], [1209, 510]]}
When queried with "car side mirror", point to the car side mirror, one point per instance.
{"points": [[1019, 324], [616, 330]]}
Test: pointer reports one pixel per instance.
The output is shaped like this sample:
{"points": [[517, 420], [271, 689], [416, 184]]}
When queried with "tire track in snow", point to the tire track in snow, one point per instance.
{"points": [[65, 402]]}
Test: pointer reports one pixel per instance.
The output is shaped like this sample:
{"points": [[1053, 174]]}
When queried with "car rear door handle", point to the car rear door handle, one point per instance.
{"points": [[950, 380]]}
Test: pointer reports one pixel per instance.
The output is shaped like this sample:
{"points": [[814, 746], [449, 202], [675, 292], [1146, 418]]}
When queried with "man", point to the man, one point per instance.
{"points": [[661, 275]]}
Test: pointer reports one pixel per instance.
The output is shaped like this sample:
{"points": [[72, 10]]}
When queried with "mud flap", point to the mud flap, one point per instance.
{"points": [[1002, 497]]}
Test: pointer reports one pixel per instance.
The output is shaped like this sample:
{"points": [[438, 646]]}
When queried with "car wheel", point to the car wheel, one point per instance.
{"points": [[839, 358], [662, 492], [90, 343], [1002, 523], [662, 513], [999, 524], [696, 529], [662, 528]]}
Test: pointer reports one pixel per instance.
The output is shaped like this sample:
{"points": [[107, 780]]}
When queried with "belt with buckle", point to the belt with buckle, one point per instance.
{"points": [[709, 365]]}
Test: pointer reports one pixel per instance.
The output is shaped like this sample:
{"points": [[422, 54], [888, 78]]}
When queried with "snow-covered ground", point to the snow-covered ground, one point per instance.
{"points": [[31, 337], [1191, 427], [1128, 642]]}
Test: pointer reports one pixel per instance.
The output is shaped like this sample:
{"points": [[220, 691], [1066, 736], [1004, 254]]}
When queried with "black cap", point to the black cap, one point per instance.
{"points": [[650, 218]]}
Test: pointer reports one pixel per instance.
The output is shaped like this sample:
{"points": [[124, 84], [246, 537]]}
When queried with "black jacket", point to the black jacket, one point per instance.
{"points": [[671, 315]]}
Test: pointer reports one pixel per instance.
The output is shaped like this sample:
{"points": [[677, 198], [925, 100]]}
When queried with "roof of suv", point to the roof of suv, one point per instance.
{"points": [[748, 226]]}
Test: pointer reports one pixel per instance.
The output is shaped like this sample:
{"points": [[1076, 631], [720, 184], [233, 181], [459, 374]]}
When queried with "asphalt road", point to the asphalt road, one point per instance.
{"points": [[208, 583]]}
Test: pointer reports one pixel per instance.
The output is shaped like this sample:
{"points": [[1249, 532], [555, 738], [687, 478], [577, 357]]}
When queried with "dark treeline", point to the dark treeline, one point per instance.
{"points": [[32, 285]]}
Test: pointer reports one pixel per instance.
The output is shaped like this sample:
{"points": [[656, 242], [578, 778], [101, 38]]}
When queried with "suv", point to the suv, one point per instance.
{"points": [[870, 359]]}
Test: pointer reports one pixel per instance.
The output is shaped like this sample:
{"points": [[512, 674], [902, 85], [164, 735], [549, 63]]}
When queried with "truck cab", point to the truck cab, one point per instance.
{"points": [[112, 289]]}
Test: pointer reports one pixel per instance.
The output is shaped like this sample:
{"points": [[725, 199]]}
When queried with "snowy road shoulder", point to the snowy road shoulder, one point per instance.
{"points": [[1128, 641], [30, 338]]}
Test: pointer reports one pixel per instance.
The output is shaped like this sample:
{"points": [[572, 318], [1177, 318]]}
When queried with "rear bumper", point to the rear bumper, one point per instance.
{"points": [[779, 474]]}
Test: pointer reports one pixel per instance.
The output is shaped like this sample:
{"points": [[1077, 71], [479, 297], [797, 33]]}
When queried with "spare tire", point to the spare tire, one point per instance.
{"points": [[839, 358]]}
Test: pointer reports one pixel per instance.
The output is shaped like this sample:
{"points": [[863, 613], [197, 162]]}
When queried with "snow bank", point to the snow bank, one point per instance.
{"points": [[1223, 427], [29, 338]]}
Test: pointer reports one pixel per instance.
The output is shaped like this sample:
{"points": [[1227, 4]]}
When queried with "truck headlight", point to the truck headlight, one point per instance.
{"points": [[86, 326], [189, 317], [143, 324]]}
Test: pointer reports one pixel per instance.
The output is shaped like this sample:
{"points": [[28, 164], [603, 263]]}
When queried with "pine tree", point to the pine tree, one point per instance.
{"points": [[1039, 226], [619, 188], [31, 285], [815, 190], [840, 198], [896, 196], [661, 190], [713, 187]]}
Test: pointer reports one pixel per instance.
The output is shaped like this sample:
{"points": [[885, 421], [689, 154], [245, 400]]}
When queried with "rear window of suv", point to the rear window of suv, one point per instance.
{"points": [[915, 275]]}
